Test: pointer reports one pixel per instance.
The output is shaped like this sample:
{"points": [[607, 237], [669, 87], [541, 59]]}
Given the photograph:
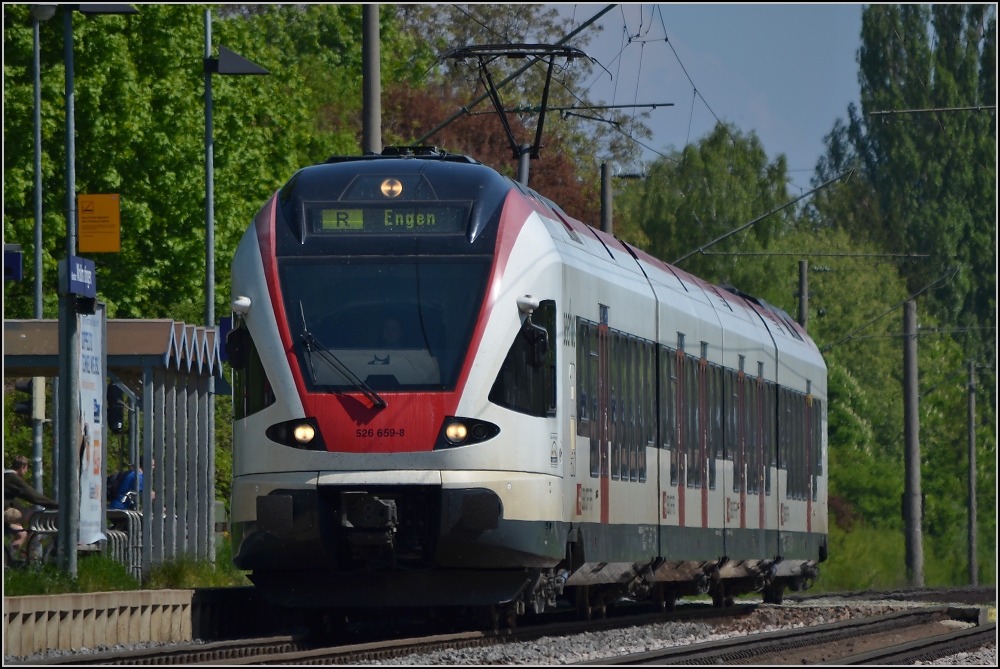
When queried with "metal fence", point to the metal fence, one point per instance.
{"points": [[125, 539]]}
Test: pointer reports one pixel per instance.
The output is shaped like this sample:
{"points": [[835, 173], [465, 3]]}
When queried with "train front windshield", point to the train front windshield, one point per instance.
{"points": [[399, 324]]}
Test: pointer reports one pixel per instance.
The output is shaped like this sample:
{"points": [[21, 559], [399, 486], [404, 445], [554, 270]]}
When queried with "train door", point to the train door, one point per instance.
{"points": [[603, 417], [740, 457], [759, 465], [680, 461], [734, 482], [769, 408]]}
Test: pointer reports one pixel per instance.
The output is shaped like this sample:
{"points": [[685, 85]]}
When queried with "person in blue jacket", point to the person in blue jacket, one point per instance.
{"points": [[123, 500]]}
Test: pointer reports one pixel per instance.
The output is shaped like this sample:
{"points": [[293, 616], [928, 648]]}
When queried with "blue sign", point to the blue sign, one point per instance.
{"points": [[82, 277], [13, 264]]}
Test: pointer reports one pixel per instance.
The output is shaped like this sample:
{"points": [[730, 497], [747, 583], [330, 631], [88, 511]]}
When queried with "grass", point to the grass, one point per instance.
{"points": [[863, 559], [874, 558], [97, 573], [187, 573]]}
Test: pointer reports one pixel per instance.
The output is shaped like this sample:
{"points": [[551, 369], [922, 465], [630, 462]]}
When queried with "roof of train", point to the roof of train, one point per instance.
{"points": [[422, 155]]}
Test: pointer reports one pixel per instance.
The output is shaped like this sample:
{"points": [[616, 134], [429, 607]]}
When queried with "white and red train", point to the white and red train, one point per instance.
{"points": [[448, 392]]}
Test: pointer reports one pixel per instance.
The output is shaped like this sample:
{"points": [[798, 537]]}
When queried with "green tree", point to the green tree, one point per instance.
{"points": [[929, 178], [696, 195], [926, 184], [140, 132]]}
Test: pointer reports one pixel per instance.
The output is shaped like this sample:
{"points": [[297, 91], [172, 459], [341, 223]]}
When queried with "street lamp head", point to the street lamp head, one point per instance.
{"points": [[43, 12]]}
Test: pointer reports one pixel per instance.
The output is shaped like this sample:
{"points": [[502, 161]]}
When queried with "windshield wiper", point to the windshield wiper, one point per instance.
{"points": [[310, 342]]}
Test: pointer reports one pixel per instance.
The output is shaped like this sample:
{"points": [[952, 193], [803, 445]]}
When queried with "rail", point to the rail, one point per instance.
{"points": [[125, 539]]}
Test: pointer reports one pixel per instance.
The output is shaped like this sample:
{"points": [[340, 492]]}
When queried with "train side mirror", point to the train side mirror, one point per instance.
{"points": [[537, 339], [238, 347]]}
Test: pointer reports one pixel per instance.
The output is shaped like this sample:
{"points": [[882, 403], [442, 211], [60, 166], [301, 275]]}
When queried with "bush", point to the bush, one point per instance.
{"points": [[95, 573], [862, 559], [186, 572]]}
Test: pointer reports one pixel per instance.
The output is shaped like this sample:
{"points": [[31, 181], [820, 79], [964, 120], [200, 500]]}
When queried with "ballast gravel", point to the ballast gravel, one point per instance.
{"points": [[604, 644]]}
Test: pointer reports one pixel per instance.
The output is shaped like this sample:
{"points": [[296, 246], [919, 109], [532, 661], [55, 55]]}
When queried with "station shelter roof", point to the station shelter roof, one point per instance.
{"points": [[31, 347]]}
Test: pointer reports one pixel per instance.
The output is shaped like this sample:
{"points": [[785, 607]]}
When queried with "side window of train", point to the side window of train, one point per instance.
{"points": [[784, 423], [739, 432], [614, 403], [633, 410], [670, 402], [770, 448], [729, 407], [582, 387], [817, 428], [649, 406], [692, 424], [252, 391], [592, 362], [750, 435], [817, 445], [797, 446], [714, 423], [527, 380], [651, 394]]}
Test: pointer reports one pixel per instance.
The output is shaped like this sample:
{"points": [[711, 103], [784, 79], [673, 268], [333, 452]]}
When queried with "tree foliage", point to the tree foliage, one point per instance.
{"points": [[926, 184], [926, 181], [555, 175], [702, 192], [140, 132]]}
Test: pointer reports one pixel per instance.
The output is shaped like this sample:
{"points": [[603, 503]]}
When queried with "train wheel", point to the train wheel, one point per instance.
{"points": [[718, 595], [601, 611], [325, 626], [509, 616], [664, 598], [491, 619], [774, 593], [583, 610]]}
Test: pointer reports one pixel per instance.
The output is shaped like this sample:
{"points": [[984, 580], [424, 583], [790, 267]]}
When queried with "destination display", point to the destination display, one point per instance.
{"points": [[344, 218]]}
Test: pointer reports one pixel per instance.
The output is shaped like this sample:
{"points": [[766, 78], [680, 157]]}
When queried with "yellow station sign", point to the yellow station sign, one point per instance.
{"points": [[100, 228]]}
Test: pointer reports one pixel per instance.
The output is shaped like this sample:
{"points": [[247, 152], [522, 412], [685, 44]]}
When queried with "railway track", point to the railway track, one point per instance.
{"points": [[853, 641], [928, 649], [295, 650], [926, 638]]}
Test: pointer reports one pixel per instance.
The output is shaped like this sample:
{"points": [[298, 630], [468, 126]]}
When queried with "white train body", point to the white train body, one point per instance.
{"points": [[663, 436]]}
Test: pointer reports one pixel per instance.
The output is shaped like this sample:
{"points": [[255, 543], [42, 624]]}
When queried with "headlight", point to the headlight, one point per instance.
{"points": [[456, 432], [298, 433], [304, 433]]}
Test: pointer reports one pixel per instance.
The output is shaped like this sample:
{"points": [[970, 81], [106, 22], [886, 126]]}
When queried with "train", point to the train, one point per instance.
{"points": [[447, 392]]}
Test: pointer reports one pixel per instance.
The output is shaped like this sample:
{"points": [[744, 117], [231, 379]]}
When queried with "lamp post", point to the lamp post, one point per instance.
{"points": [[227, 63], [69, 336], [39, 13]]}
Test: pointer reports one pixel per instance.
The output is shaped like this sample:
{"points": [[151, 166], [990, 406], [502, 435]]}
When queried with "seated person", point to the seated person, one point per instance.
{"points": [[15, 516], [122, 499]]}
